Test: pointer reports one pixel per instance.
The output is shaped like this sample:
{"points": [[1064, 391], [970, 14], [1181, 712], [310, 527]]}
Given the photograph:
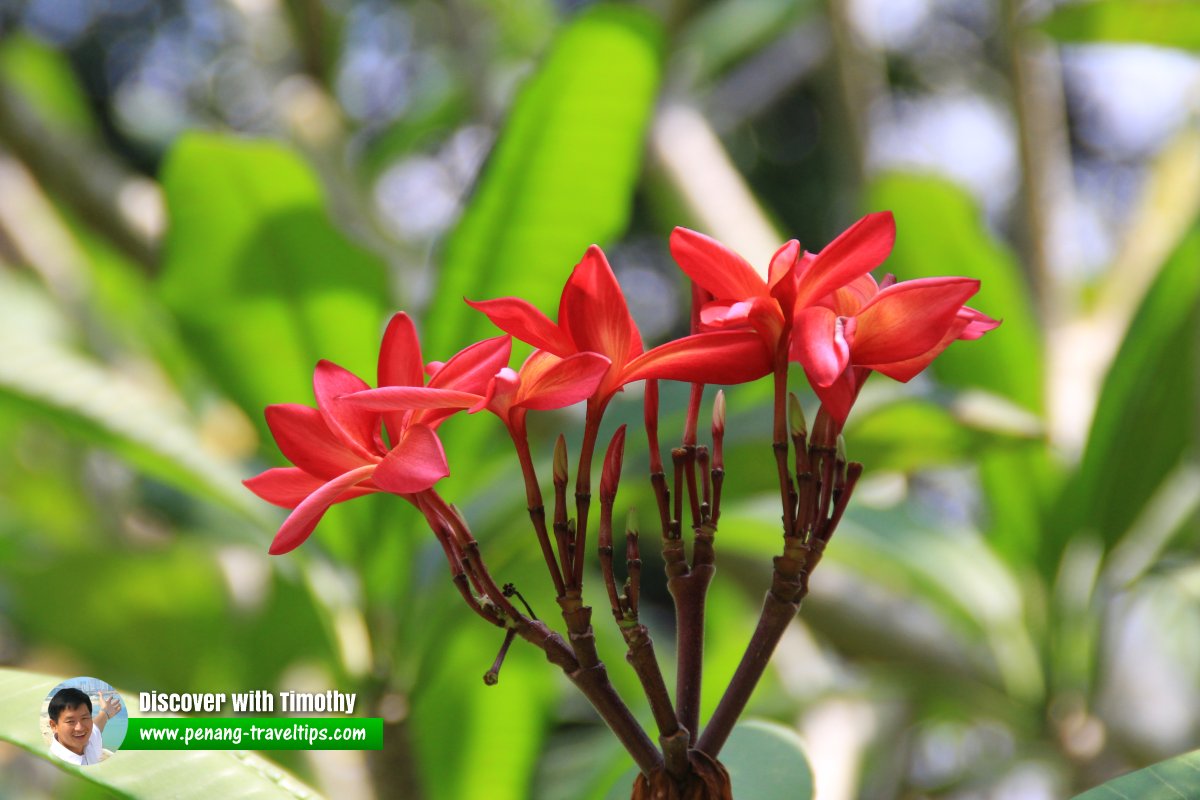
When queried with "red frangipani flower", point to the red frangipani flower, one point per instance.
{"points": [[338, 449], [897, 330], [544, 382], [593, 317], [741, 298]]}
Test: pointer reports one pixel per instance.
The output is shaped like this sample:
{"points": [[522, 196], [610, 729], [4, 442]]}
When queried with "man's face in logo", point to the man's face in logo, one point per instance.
{"points": [[73, 728]]}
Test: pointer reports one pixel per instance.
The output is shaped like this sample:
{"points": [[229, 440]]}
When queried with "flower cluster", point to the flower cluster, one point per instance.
{"points": [[823, 310]]}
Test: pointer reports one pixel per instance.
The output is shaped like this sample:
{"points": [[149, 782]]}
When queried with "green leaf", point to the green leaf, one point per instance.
{"points": [[765, 761], [145, 773], [474, 740], [262, 283], [723, 33], [1170, 23], [43, 76], [561, 177], [939, 231], [1146, 418], [908, 435], [41, 374], [1172, 779]]}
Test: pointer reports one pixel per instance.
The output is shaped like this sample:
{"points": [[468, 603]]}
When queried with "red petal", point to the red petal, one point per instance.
{"points": [[848, 300], [414, 465], [978, 323], [470, 369], [819, 344], [715, 267], [283, 486], [838, 397], [357, 427], [550, 382], [594, 312], [784, 262], [300, 523], [306, 441], [861, 247], [969, 324], [525, 322], [400, 361], [724, 357], [907, 319], [399, 364], [409, 398]]}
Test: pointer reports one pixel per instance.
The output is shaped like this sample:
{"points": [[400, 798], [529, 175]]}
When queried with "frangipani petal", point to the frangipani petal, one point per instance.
{"points": [[409, 398], [470, 369], [722, 357], [907, 319], [414, 465], [837, 398], [969, 324], [300, 523], [400, 354], [549, 382], [715, 267], [283, 486], [399, 364], [356, 426], [783, 263], [859, 249], [593, 311], [978, 323], [306, 441], [819, 344], [524, 321]]}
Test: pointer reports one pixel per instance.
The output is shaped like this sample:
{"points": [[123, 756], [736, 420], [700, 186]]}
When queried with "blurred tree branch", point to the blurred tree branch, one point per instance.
{"points": [[121, 205]]}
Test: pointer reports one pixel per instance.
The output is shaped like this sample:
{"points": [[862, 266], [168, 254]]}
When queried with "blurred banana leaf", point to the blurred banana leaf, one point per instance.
{"points": [[1173, 779], [1169, 23], [261, 282], [41, 374], [940, 231], [561, 176], [1148, 415]]}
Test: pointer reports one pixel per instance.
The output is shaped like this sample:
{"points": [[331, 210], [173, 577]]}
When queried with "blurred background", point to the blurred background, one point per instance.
{"points": [[200, 198]]}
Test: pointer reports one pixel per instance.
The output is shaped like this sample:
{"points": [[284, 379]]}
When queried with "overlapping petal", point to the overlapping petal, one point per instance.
{"points": [[306, 441], [524, 321], [413, 465], [859, 249], [908, 318], [715, 267], [720, 357], [304, 518], [593, 317], [548, 382]]}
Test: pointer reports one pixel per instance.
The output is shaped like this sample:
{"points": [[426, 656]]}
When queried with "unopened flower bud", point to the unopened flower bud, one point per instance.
{"points": [[718, 422], [797, 424], [610, 477], [560, 460]]}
